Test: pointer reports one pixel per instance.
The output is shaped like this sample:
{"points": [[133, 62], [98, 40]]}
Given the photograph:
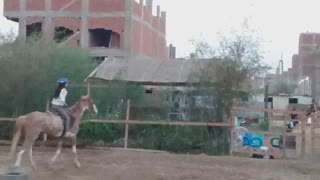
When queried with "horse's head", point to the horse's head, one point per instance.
{"points": [[87, 103]]}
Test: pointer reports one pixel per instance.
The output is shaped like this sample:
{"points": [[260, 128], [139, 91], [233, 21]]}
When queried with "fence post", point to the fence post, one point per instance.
{"points": [[232, 125], [313, 119], [303, 140], [127, 125], [287, 119], [88, 88]]}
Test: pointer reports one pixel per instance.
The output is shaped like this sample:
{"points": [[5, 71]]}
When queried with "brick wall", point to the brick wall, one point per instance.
{"points": [[11, 5], [152, 44]]}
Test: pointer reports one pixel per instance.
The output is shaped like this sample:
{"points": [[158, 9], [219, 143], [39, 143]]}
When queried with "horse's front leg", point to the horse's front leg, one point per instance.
{"points": [[54, 158], [31, 158], [74, 150]]}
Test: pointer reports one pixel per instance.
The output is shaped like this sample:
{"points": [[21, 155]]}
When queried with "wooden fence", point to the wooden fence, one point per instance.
{"points": [[302, 119], [231, 124]]}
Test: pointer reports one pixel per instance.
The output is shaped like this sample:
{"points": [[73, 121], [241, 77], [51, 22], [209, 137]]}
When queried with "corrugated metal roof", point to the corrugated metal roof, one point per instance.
{"points": [[155, 72]]}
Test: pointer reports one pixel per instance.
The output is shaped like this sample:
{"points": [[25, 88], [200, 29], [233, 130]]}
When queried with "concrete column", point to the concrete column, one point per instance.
{"points": [[164, 15], [141, 32], [317, 80], [48, 30], [84, 32], [158, 44], [150, 5], [158, 11], [22, 20], [128, 28]]}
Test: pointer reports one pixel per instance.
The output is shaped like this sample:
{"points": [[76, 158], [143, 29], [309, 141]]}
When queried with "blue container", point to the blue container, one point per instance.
{"points": [[253, 140]]}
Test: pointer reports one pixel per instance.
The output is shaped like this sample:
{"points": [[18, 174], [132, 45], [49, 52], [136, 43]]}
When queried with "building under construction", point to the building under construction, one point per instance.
{"points": [[305, 71], [120, 28]]}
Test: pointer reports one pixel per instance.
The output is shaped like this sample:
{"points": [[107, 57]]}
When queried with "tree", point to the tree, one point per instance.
{"points": [[234, 61], [28, 71], [281, 87]]}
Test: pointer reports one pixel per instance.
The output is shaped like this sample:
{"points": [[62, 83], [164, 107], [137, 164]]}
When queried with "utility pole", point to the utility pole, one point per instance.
{"points": [[281, 66]]}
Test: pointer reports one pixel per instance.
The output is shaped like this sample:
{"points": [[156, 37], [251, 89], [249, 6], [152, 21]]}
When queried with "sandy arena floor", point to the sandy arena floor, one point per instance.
{"points": [[117, 164]]}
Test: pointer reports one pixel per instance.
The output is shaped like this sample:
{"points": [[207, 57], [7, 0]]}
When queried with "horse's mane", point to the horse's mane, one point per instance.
{"points": [[75, 107]]}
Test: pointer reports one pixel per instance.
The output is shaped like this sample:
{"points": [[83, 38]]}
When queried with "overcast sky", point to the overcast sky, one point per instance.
{"points": [[278, 22]]}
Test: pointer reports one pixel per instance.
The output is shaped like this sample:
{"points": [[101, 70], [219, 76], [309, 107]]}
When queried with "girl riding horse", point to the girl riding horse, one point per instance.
{"points": [[58, 103]]}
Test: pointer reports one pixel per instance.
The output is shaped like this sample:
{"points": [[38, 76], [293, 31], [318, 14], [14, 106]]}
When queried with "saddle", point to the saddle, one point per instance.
{"points": [[72, 119]]}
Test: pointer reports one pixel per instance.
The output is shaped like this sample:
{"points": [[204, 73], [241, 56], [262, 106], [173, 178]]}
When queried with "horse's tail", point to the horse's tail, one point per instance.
{"points": [[16, 136]]}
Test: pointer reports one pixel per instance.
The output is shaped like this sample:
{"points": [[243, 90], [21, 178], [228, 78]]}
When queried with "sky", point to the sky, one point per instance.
{"points": [[278, 22]]}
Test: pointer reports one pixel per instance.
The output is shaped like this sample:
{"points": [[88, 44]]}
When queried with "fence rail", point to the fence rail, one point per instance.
{"points": [[231, 125], [170, 123], [8, 119]]}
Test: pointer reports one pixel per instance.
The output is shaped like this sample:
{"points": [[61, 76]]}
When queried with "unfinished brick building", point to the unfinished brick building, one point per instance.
{"points": [[106, 27], [306, 63]]}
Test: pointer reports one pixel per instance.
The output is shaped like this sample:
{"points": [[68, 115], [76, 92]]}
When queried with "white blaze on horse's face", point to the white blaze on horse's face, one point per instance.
{"points": [[95, 109]]}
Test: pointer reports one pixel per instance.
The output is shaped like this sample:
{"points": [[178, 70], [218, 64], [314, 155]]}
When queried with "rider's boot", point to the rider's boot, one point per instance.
{"points": [[69, 134]]}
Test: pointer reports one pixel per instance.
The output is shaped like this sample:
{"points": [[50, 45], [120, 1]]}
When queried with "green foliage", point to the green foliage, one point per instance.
{"points": [[264, 125], [95, 132], [282, 87], [176, 139], [29, 70], [6, 130]]}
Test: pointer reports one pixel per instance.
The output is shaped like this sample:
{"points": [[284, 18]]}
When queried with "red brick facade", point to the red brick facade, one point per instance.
{"points": [[305, 64], [147, 35]]}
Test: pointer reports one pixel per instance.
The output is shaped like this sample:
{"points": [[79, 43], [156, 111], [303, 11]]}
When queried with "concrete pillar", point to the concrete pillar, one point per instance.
{"points": [[150, 5], [317, 80], [84, 40], [164, 16], [158, 11], [128, 28], [163, 26], [142, 30], [22, 20], [48, 31], [173, 52], [158, 43]]}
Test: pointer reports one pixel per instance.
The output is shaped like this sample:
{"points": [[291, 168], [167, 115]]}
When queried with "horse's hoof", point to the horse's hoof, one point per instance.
{"points": [[77, 164], [34, 167]]}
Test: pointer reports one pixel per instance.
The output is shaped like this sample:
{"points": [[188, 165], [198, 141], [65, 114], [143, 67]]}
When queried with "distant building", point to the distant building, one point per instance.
{"points": [[305, 71]]}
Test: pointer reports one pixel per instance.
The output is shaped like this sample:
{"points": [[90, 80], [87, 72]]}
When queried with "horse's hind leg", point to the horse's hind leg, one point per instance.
{"points": [[25, 147], [30, 157], [19, 157]]}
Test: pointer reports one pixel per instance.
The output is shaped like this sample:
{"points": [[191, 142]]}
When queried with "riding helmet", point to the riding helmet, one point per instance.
{"points": [[63, 81]]}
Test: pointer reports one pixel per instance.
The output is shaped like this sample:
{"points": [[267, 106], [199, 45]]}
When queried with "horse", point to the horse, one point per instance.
{"points": [[32, 124]]}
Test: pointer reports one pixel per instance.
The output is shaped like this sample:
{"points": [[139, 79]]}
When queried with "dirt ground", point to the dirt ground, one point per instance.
{"points": [[117, 164]]}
